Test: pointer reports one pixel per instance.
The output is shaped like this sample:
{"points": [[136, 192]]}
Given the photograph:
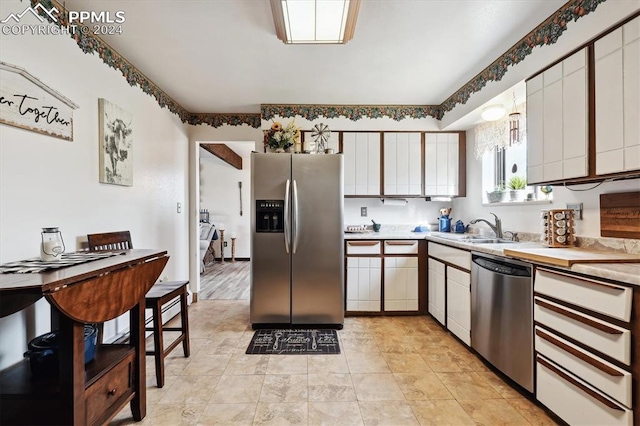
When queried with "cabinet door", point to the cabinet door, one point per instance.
{"points": [[459, 304], [574, 116], [535, 136], [441, 164], [552, 124], [361, 163], [436, 290], [400, 283], [364, 283], [402, 164], [617, 83], [557, 121]]}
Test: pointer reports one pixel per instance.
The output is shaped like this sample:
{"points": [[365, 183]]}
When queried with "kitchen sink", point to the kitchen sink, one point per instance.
{"points": [[483, 240]]}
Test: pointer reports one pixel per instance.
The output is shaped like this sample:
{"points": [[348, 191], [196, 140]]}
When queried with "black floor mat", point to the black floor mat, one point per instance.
{"points": [[291, 342]]}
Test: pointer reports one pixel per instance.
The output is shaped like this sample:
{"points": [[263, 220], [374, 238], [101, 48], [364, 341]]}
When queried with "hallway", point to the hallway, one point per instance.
{"points": [[225, 281]]}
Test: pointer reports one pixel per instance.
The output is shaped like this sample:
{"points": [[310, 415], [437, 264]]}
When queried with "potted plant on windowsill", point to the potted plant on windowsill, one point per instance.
{"points": [[517, 186], [498, 195]]}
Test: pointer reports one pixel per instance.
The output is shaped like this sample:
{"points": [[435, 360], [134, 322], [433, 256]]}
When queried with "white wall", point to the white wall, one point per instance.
{"points": [[46, 181], [220, 194], [524, 218]]}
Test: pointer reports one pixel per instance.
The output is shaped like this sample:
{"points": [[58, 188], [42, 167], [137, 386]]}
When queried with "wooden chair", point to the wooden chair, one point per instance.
{"points": [[160, 294]]}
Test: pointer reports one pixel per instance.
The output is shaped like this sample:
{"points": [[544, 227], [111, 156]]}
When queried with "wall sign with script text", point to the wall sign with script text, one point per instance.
{"points": [[28, 103]]}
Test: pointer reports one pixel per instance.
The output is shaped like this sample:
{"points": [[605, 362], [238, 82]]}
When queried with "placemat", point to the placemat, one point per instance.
{"points": [[289, 342], [35, 265]]}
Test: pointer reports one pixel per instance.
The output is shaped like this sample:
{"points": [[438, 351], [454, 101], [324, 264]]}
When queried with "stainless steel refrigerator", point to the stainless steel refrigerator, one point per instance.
{"points": [[297, 245]]}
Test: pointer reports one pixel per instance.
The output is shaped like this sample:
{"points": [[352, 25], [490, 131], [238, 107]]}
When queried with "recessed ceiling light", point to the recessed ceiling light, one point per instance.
{"points": [[493, 112]]}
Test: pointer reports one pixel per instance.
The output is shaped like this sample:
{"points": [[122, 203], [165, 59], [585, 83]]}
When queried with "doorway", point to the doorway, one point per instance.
{"points": [[223, 199]]}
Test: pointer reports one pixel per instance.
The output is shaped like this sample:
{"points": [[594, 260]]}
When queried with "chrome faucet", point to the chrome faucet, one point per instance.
{"points": [[497, 228]]}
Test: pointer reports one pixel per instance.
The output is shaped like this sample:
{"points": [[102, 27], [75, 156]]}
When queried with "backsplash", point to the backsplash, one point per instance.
{"points": [[415, 212]]}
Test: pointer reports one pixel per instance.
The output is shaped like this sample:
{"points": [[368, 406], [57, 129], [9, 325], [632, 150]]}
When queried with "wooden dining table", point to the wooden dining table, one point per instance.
{"points": [[91, 292]]}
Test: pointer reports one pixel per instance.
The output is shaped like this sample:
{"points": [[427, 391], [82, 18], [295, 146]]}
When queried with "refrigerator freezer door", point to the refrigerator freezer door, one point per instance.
{"points": [[270, 262], [318, 258]]}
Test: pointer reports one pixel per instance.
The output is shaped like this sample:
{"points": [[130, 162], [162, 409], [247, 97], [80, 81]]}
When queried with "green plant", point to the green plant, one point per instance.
{"points": [[499, 188], [517, 182]]}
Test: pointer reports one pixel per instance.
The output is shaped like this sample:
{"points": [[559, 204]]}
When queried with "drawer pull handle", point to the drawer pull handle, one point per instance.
{"points": [[597, 364], [400, 243], [112, 392], [579, 318], [597, 283], [363, 243], [579, 385]]}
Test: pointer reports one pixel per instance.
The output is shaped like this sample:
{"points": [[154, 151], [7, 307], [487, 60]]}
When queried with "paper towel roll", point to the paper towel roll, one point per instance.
{"points": [[394, 201]]}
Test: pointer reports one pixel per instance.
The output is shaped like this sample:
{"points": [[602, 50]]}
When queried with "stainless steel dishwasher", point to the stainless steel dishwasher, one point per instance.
{"points": [[502, 315]]}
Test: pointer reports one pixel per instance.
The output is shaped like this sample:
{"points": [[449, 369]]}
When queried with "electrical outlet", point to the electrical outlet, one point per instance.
{"points": [[577, 210], [363, 211], [225, 243]]}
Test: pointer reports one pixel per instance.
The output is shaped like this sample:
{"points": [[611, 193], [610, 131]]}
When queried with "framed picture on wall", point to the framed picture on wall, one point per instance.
{"points": [[116, 144]]}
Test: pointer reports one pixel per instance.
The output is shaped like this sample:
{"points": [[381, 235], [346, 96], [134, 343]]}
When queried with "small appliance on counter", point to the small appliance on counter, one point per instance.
{"points": [[444, 220]]}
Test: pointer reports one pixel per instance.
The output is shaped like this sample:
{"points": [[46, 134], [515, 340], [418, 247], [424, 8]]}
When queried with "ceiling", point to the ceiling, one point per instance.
{"points": [[223, 56]]}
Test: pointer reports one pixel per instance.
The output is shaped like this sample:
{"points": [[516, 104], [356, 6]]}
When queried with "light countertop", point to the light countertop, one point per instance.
{"points": [[628, 273]]}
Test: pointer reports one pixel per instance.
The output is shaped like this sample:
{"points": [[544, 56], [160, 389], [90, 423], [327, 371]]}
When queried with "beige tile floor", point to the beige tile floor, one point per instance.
{"points": [[392, 371]]}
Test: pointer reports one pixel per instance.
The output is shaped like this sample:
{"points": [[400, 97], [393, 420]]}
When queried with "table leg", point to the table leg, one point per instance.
{"points": [[71, 361], [139, 401]]}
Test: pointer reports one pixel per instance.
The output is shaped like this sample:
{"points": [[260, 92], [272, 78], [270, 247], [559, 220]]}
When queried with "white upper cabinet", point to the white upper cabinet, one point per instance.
{"points": [[617, 83], [442, 164], [402, 164], [557, 121], [361, 163]]}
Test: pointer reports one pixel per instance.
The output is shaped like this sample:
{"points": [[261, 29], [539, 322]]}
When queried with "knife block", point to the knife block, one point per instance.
{"points": [[557, 228]]}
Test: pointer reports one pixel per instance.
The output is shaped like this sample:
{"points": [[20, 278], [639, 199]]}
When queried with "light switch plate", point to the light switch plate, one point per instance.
{"points": [[363, 211], [577, 210], [179, 208]]}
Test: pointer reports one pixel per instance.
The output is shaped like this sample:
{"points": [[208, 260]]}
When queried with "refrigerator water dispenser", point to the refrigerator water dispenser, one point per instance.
{"points": [[269, 215]]}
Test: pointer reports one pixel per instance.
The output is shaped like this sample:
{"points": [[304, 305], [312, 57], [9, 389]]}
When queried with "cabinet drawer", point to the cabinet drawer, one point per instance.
{"points": [[603, 375], [401, 247], [574, 401], [364, 247], [607, 299], [109, 389], [599, 335], [451, 255]]}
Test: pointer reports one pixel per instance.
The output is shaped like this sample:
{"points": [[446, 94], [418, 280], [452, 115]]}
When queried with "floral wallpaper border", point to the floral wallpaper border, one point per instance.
{"points": [[546, 33], [352, 112]]}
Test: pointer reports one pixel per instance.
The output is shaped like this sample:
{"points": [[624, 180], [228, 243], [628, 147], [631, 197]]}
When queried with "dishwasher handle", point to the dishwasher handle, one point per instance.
{"points": [[505, 268]]}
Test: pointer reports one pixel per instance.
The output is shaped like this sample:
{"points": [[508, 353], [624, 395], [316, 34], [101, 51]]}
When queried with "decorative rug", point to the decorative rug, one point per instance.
{"points": [[290, 342]]}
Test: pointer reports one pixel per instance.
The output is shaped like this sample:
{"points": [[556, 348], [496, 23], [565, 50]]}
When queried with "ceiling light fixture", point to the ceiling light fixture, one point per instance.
{"points": [[315, 21], [493, 113]]}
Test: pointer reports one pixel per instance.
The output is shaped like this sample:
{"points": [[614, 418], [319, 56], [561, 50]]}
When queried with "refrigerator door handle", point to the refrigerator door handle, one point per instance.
{"points": [[296, 217], [287, 236]]}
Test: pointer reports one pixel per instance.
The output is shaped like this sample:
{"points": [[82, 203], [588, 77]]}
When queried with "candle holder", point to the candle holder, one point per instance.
{"points": [[233, 249], [222, 245]]}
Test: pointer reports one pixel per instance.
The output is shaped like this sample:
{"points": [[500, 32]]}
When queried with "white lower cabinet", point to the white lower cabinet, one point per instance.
{"points": [[436, 272], [400, 283], [574, 380], [364, 278], [575, 401], [459, 304]]}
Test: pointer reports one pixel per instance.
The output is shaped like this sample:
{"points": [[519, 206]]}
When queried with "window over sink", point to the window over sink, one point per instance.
{"points": [[504, 164]]}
